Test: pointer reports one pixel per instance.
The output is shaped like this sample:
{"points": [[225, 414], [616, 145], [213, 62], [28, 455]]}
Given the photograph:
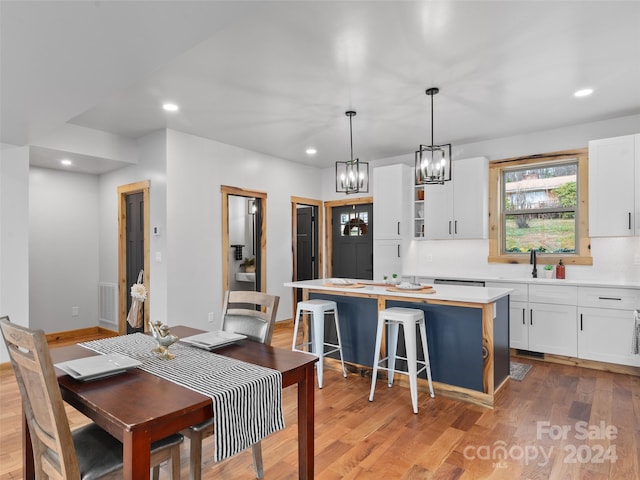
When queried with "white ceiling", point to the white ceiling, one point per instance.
{"points": [[277, 77]]}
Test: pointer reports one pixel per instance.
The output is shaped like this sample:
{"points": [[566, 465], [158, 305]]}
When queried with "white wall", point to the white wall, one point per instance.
{"points": [[613, 258], [196, 168], [152, 167], [87, 141], [14, 236], [63, 249]]}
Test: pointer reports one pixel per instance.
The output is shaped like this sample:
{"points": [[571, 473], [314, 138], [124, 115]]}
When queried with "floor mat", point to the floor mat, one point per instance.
{"points": [[519, 370]]}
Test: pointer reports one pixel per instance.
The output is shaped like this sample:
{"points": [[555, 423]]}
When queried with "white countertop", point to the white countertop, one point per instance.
{"points": [[451, 293], [530, 280]]}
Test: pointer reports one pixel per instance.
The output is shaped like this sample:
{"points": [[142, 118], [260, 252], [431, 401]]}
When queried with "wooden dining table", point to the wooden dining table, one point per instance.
{"points": [[139, 408]]}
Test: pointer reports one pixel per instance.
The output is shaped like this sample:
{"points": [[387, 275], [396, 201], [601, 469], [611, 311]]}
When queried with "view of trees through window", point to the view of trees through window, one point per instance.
{"points": [[540, 207]]}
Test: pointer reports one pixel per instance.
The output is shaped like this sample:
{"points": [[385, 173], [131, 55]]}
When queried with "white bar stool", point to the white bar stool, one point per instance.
{"points": [[318, 309], [408, 318]]}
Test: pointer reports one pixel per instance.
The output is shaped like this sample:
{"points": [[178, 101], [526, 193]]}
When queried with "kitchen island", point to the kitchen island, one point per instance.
{"points": [[467, 331]]}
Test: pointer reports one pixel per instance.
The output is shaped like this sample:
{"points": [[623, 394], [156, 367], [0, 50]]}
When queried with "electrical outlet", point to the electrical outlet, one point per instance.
{"points": [[210, 317], [75, 311]]}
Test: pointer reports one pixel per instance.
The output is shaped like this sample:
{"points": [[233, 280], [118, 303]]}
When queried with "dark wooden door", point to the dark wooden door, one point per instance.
{"points": [[306, 242], [135, 245], [352, 238]]}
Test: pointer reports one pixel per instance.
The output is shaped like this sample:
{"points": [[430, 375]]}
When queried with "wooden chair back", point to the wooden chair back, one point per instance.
{"points": [[53, 450], [240, 315]]}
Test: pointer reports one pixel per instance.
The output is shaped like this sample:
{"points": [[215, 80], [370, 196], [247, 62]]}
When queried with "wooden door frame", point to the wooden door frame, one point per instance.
{"points": [[328, 210], [243, 192], [295, 202], [123, 288]]}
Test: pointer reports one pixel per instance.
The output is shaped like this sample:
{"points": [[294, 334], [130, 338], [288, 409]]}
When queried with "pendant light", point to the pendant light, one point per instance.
{"points": [[433, 162], [352, 176]]}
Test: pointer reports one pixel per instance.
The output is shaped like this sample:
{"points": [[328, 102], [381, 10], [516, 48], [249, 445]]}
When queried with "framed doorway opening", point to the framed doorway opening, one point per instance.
{"points": [[258, 202], [124, 217], [329, 207], [306, 243]]}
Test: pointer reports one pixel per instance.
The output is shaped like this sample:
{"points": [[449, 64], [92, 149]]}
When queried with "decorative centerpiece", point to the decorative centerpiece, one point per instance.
{"points": [[548, 271], [164, 338]]}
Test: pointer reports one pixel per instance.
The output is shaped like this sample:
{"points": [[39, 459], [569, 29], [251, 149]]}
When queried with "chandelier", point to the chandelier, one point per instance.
{"points": [[433, 162], [352, 176]]}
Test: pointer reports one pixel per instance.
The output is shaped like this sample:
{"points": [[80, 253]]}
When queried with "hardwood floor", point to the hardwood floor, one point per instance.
{"points": [[522, 437]]}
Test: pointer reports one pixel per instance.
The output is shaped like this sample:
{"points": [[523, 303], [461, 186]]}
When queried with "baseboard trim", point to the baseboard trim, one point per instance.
{"points": [[73, 335]]}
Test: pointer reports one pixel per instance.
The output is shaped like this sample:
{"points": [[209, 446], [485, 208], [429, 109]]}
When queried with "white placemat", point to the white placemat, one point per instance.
{"points": [[247, 398]]}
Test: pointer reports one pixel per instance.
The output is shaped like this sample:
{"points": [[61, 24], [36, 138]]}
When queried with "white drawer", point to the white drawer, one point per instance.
{"points": [[520, 291], [602, 297], [557, 294]]}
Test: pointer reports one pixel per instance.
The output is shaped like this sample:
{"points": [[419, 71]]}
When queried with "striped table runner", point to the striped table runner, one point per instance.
{"points": [[247, 398]]}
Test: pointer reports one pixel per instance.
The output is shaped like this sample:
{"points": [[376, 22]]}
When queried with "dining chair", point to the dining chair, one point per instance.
{"points": [[252, 314], [87, 453]]}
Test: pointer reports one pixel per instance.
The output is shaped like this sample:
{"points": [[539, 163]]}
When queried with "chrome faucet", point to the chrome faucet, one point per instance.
{"points": [[532, 261]]}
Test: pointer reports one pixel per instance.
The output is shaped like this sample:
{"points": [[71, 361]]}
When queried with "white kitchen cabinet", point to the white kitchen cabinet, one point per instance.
{"points": [[614, 186], [609, 297], [387, 258], [604, 335], [519, 325], [542, 318], [553, 329], [457, 209], [606, 324], [553, 319], [392, 192], [555, 294]]}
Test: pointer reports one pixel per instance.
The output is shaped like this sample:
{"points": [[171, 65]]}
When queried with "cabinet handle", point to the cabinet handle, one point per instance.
{"points": [[455, 227], [580, 322], [398, 228], [531, 317], [449, 227], [524, 322], [398, 250], [610, 298], [629, 220]]}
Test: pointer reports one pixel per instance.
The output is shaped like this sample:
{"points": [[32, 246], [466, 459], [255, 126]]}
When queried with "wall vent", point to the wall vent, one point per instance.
{"points": [[108, 297]]}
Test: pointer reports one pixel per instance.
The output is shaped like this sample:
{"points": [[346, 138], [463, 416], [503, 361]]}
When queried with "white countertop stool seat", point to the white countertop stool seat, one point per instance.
{"points": [[408, 318], [317, 309]]}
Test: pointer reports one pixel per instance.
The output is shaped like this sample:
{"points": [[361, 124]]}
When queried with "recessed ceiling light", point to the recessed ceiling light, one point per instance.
{"points": [[311, 151], [585, 92], [66, 162], [170, 107]]}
